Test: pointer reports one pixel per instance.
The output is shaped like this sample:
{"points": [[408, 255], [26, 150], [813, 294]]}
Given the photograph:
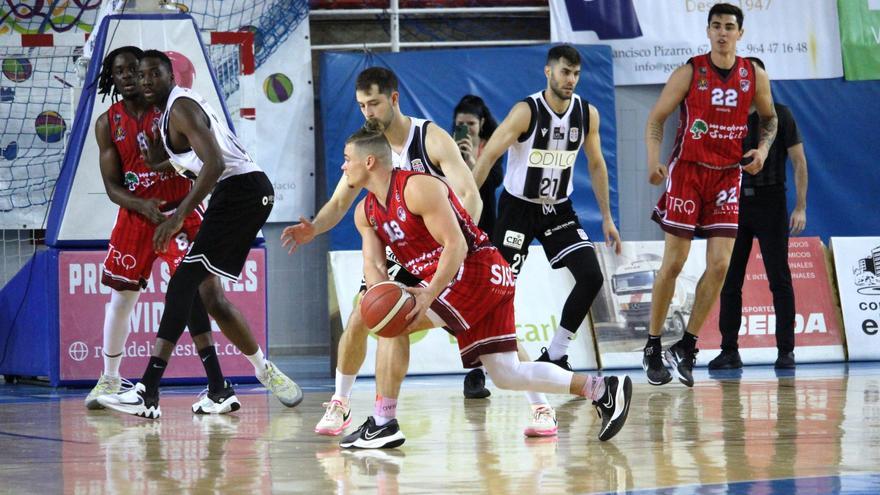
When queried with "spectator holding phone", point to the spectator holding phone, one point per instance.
{"points": [[473, 125]]}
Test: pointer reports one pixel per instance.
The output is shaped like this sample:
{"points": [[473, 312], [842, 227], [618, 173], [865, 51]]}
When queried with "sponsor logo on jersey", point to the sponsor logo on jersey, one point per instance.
{"points": [[703, 84], [117, 118], [557, 133], [583, 235], [560, 159], [373, 222], [513, 239], [743, 72], [502, 275], [416, 164], [698, 128], [744, 85], [703, 71], [401, 213], [680, 205], [573, 134], [120, 134], [131, 180], [543, 131]]}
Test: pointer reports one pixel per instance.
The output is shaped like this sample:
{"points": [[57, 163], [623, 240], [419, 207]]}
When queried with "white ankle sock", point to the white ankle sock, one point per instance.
{"points": [[258, 360], [344, 384], [559, 344], [536, 398]]}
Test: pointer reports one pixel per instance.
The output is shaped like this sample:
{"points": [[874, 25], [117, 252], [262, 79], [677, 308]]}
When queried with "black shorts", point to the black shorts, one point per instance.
{"points": [[396, 272], [238, 209], [556, 227]]}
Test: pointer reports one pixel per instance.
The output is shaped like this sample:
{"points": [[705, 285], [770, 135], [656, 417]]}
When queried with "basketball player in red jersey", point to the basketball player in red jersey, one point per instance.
{"points": [[714, 92], [466, 287], [144, 196]]}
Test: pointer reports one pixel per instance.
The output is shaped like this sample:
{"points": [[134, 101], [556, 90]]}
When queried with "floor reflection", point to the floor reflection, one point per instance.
{"points": [[813, 431]]}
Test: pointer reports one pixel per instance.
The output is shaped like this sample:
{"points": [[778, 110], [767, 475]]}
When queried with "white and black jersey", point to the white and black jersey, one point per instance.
{"points": [[186, 162], [540, 163], [240, 202], [414, 155]]}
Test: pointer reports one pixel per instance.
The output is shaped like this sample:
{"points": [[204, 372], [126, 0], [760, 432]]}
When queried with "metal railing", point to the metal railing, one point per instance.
{"points": [[394, 13]]}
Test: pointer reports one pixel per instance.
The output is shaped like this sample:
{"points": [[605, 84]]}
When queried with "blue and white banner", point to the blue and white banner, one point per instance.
{"points": [[857, 266], [796, 39]]}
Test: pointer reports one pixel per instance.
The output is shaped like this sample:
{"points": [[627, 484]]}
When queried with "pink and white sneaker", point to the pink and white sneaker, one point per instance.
{"points": [[542, 422], [336, 418]]}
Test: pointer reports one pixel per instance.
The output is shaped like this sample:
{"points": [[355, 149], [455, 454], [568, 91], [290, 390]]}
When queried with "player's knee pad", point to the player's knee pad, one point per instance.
{"points": [[503, 369], [199, 323], [182, 289], [585, 268], [123, 300]]}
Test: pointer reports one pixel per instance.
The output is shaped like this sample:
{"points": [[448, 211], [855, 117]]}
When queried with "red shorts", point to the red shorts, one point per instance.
{"points": [[130, 255], [699, 201], [477, 307]]}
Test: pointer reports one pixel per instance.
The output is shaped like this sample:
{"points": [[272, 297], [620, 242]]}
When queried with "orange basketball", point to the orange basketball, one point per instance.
{"points": [[384, 308]]}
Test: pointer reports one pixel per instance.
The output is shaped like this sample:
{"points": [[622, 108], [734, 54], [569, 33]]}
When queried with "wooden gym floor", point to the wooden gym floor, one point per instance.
{"points": [[816, 430]]}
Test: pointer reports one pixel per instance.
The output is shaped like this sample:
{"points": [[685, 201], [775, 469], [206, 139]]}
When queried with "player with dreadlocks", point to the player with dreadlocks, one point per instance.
{"points": [[145, 197], [147, 194], [106, 84]]}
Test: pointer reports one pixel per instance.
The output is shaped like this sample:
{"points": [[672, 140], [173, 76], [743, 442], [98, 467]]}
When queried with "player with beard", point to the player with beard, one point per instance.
{"points": [[544, 133], [416, 145]]}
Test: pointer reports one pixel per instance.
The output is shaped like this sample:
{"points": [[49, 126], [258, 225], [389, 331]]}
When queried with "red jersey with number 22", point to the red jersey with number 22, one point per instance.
{"points": [[714, 115]]}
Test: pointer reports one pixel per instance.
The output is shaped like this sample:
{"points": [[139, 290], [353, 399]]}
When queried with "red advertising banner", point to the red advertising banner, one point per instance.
{"points": [[816, 320], [81, 303]]}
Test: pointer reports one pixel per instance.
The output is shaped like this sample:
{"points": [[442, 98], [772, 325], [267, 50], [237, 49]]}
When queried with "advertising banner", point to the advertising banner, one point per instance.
{"points": [[540, 293], [82, 300], [860, 38], [621, 311], [817, 330], [797, 39], [857, 266]]}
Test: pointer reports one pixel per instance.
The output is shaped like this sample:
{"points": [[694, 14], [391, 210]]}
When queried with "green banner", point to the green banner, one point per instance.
{"points": [[860, 38]]}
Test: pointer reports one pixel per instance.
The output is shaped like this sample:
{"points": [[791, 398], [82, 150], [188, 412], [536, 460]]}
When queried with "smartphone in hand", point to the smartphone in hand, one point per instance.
{"points": [[461, 132]]}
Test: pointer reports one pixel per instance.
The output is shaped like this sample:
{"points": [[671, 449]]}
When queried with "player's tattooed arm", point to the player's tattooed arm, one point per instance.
{"points": [[655, 131], [768, 126]]}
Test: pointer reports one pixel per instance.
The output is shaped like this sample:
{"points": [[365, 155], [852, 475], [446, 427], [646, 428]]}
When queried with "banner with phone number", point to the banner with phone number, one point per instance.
{"points": [[796, 39]]}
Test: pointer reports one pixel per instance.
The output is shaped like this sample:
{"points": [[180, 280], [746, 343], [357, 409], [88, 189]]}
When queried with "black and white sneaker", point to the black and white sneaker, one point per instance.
{"points": [[561, 362], [681, 362], [475, 385], [652, 362], [222, 402], [613, 407], [371, 436], [134, 402]]}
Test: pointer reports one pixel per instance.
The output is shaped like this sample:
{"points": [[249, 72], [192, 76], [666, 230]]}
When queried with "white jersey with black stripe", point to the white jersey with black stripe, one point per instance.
{"points": [[187, 163], [540, 164], [414, 154]]}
